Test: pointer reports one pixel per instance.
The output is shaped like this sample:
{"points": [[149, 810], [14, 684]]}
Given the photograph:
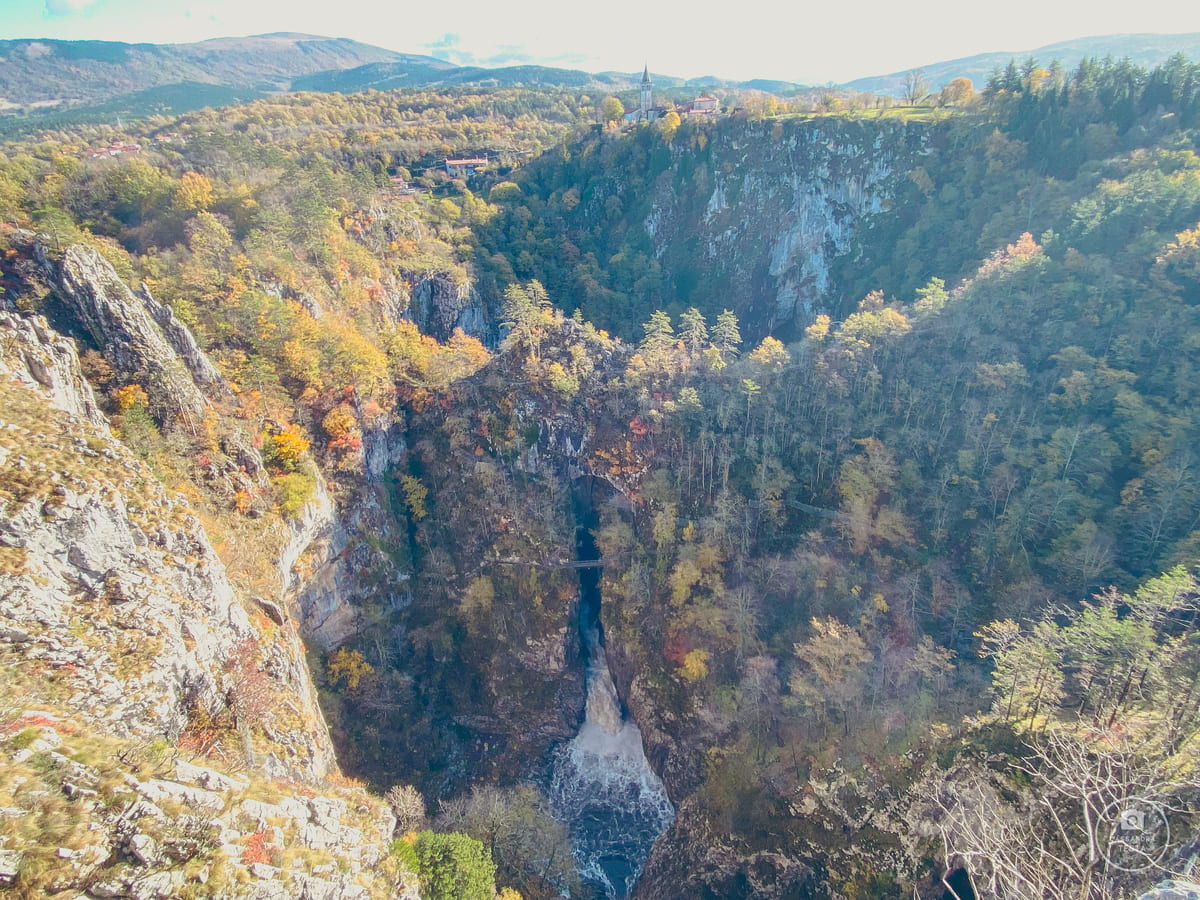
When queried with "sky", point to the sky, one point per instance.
{"points": [[792, 40]]}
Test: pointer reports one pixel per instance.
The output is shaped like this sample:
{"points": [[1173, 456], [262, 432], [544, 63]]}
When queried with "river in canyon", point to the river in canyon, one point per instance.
{"points": [[602, 786]]}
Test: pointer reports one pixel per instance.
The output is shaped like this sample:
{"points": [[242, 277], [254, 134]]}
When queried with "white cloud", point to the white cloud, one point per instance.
{"points": [[67, 7], [445, 42]]}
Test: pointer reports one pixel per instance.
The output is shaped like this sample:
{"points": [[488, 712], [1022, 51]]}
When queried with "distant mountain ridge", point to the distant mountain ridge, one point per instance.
{"points": [[417, 73], [59, 82], [1146, 50], [41, 73], [55, 81]]}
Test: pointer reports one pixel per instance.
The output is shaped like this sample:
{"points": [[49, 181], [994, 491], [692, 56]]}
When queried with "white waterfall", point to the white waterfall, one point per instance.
{"points": [[605, 790], [603, 706]]}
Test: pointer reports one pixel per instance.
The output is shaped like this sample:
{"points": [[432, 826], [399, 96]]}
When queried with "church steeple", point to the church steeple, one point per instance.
{"points": [[647, 94]]}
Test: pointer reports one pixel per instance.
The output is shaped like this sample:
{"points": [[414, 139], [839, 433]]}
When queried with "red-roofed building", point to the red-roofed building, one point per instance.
{"points": [[460, 168], [115, 149]]}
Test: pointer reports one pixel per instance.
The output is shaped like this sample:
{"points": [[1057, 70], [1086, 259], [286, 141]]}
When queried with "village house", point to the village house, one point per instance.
{"points": [[114, 149], [702, 106], [401, 188], [461, 168]]}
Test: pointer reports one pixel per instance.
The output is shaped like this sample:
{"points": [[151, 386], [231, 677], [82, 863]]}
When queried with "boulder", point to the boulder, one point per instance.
{"points": [[10, 866]]}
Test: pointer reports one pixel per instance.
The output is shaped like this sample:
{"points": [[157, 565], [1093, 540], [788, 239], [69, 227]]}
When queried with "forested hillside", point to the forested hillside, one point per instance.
{"points": [[714, 215], [949, 472]]}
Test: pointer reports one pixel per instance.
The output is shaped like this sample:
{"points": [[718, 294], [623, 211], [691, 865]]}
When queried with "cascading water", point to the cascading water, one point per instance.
{"points": [[602, 785], [605, 790]]}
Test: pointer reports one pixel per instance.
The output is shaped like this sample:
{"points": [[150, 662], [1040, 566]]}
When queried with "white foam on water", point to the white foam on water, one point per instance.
{"points": [[604, 789]]}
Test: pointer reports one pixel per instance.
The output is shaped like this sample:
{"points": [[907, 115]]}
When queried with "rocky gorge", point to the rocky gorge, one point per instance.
{"points": [[139, 644], [127, 652], [291, 524], [764, 218], [171, 711]]}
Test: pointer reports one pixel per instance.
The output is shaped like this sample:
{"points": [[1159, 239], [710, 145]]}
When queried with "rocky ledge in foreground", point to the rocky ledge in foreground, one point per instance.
{"points": [[107, 818]]}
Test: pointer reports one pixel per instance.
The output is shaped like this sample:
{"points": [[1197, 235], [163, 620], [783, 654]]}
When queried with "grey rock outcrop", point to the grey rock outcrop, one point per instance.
{"points": [[764, 220], [38, 356], [332, 555], [439, 303], [184, 343], [171, 615], [321, 563], [166, 837], [122, 326], [559, 449], [383, 446], [304, 298], [145, 344], [10, 866], [131, 643], [317, 544]]}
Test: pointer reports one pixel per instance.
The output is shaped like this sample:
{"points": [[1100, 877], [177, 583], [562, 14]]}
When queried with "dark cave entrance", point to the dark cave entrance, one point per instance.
{"points": [[960, 886]]}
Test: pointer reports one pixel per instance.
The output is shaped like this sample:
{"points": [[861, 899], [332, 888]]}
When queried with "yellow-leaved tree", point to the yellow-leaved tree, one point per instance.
{"points": [[865, 483], [414, 495], [349, 666], [193, 193], [834, 669], [287, 446], [695, 666]]}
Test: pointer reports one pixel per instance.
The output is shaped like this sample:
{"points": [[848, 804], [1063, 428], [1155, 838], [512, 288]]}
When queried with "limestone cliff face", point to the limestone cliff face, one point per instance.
{"points": [[111, 580], [440, 303], [145, 344], [562, 442], [461, 692], [314, 574], [43, 360], [773, 207], [329, 567], [128, 657], [183, 342], [148, 825]]}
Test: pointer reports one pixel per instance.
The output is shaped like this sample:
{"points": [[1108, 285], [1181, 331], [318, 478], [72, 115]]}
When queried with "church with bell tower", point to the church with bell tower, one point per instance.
{"points": [[646, 111]]}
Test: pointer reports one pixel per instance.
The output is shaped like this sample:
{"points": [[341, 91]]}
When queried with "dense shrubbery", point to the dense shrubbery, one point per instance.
{"points": [[454, 866]]}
